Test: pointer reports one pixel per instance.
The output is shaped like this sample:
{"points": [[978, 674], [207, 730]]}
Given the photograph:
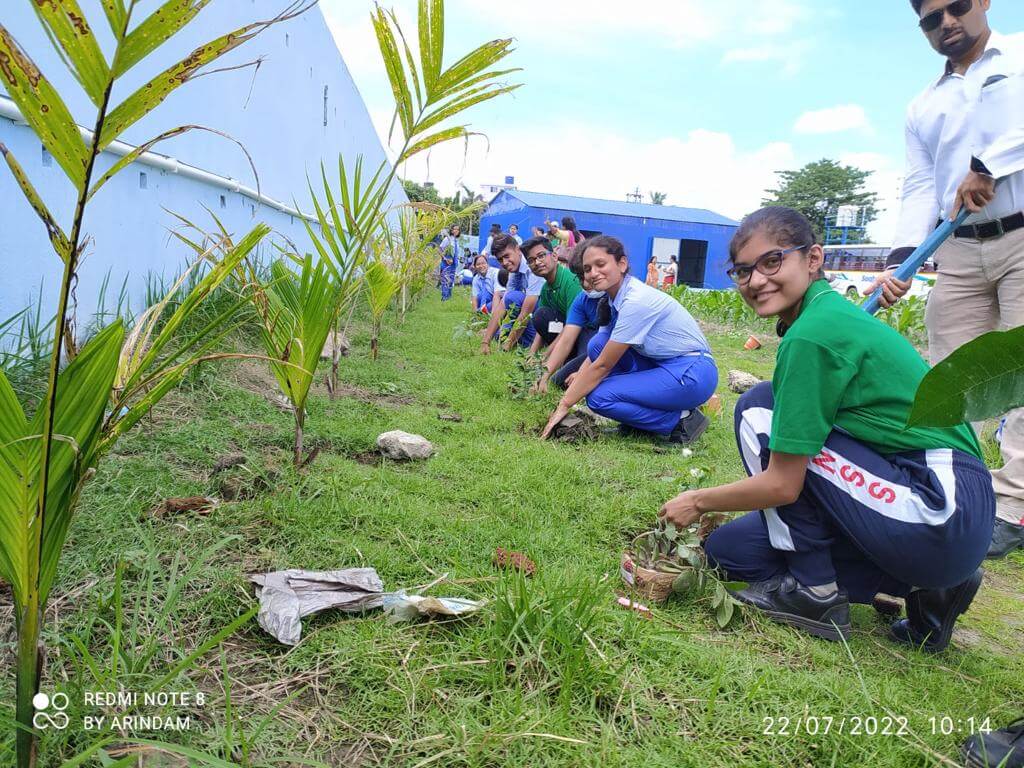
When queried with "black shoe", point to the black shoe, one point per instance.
{"points": [[932, 614], [785, 600], [689, 428], [1006, 537], [1003, 748]]}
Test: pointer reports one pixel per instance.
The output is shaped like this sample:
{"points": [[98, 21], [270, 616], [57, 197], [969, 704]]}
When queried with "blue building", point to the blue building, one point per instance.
{"points": [[298, 109], [697, 237]]}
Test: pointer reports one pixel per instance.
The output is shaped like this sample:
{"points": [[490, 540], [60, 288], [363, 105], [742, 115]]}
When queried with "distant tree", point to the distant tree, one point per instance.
{"points": [[818, 190], [658, 198], [421, 193]]}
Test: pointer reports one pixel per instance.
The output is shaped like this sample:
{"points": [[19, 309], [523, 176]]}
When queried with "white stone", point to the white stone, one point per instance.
{"points": [[741, 381], [402, 446]]}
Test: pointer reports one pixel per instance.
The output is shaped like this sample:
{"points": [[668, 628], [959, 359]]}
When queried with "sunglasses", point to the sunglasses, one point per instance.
{"points": [[768, 265], [933, 20]]}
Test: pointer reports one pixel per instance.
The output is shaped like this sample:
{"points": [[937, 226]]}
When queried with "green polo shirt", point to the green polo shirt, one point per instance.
{"points": [[560, 295], [840, 368]]}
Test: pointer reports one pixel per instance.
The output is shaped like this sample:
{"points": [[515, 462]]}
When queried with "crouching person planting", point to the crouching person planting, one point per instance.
{"points": [[649, 367], [849, 501]]}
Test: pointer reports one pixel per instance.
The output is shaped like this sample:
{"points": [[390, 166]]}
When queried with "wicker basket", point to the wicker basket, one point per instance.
{"points": [[654, 586]]}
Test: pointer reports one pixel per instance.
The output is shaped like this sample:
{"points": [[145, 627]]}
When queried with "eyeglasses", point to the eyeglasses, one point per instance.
{"points": [[537, 256], [933, 20], [768, 265]]}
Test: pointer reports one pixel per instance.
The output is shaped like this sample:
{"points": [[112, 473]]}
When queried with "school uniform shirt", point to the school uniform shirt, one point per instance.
{"points": [[583, 311], [524, 280], [840, 368], [450, 249], [653, 323], [561, 295], [487, 282], [979, 114]]}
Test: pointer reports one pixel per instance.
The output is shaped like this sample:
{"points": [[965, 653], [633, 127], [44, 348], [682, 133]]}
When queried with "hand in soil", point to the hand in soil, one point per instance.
{"points": [[560, 413]]}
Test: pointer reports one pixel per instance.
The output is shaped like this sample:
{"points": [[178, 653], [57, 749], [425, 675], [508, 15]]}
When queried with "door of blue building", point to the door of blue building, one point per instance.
{"points": [[693, 258]]}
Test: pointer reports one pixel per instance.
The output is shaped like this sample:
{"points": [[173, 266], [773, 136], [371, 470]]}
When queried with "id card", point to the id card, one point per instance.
{"points": [[555, 327]]}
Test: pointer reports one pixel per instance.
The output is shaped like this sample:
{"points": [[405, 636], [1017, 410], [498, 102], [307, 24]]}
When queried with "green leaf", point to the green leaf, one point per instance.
{"points": [[156, 29], [686, 582], [53, 230], [441, 136], [117, 16], [472, 98], [735, 586], [42, 108], [140, 150], [724, 613], [982, 379], [471, 65], [160, 87], [431, 34], [396, 74], [84, 388], [68, 30]]}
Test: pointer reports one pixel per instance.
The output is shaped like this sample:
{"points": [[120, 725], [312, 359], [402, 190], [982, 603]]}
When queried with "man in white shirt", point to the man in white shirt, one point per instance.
{"points": [[963, 132]]}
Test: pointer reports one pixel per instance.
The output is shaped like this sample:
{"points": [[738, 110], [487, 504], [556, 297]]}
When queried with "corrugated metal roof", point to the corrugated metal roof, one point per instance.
{"points": [[617, 208]]}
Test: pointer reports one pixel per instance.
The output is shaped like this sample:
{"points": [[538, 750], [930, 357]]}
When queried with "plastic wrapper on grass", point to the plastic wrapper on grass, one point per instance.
{"points": [[288, 596], [400, 606]]}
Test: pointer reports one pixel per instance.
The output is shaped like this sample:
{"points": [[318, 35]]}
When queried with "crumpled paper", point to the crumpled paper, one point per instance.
{"points": [[400, 606], [287, 596]]}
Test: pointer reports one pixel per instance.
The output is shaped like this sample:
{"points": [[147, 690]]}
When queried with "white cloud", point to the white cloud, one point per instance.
{"points": [[846, 117], [790, 56], [703, 169]]}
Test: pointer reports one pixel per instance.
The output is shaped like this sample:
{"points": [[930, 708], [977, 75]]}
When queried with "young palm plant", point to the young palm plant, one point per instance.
{"points": [[45, 461], [296, 313], [428, 98], [381, 286]]}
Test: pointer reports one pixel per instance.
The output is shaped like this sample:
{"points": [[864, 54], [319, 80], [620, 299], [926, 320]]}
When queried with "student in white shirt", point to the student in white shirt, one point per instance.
{"points": [[964, 131], [518, 301], [485, 284]]}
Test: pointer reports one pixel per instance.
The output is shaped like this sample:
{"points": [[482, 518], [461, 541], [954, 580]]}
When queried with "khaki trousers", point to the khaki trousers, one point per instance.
{"points": [[980, 288]]}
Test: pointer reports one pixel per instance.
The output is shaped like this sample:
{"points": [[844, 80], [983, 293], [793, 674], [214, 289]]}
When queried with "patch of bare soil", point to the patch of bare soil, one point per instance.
{"points": [[364, 395]]}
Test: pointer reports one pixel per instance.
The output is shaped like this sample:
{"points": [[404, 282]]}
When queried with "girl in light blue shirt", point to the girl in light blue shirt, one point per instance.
{"points": [[649, 367]]}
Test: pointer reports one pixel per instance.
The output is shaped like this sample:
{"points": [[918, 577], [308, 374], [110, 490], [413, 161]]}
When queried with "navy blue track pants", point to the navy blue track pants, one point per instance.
{"points": [[873, 523]]}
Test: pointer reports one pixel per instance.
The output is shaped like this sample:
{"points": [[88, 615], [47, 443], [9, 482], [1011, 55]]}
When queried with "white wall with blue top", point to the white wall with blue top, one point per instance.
{"points": [[299, 108]]}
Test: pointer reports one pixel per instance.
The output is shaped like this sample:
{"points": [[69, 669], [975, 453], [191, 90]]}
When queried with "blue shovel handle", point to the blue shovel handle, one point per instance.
{"points": [[924, 252]]}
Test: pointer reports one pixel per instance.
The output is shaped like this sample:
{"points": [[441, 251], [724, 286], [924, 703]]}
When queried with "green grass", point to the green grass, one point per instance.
{"points": [[552, 672]]}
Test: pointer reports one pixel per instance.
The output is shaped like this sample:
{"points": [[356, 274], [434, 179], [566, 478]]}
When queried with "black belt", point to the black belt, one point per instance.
{"points": [[988, 230]]}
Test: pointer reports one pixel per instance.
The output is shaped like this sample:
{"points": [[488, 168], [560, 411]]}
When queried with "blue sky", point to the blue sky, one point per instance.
{"points": [[701, 99]]}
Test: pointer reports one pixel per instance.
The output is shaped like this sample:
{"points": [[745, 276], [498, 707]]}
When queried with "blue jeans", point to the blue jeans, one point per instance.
{"points": [[872, 523], [651, 394]]}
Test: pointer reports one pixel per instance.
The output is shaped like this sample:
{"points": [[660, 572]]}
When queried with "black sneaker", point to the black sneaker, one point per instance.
{"points": [[1003, 748], [689, 428], [1006, 537], [932, 614], [785, 600]]}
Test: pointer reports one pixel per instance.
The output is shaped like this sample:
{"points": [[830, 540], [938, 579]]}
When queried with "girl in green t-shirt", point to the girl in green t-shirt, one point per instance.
{"points": [[849, 502]]}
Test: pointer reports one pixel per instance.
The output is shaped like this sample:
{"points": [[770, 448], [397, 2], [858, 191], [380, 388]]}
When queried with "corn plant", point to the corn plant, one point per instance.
{"points": [[427, 98], [296, 313], [381, 286], [107, 385]]}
